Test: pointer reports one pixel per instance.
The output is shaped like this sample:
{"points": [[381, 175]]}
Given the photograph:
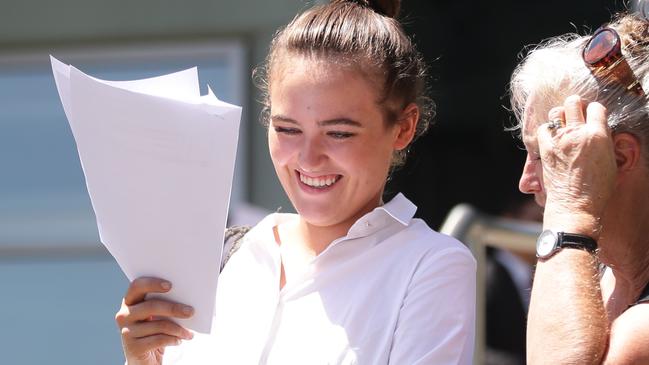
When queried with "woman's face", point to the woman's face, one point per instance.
{"points": [[328, 141], [531, 181]]}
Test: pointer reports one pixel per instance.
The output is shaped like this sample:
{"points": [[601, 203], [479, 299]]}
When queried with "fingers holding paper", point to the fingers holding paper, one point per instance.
{"points": [[145, 324]]}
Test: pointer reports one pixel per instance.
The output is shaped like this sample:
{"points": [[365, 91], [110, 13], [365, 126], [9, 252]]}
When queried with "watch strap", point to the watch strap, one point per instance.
{"points": [[579, 241]]}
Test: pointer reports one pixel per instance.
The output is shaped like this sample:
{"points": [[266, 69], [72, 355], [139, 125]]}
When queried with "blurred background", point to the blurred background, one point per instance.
{"points": [[59, 288]]}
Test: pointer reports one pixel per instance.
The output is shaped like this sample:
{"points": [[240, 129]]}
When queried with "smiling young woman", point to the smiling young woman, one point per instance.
{"points": [[330, 144], [349, 279]]}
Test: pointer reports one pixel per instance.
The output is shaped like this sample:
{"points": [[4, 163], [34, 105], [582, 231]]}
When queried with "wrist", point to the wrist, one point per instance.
{"points": [[582, 223], [550, 243]]}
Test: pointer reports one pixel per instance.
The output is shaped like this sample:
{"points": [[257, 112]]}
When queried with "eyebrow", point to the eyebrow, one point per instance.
{"points": [[323, 123]]}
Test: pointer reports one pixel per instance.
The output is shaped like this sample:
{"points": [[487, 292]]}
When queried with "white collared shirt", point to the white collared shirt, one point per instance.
{"points": [[392, 291]]}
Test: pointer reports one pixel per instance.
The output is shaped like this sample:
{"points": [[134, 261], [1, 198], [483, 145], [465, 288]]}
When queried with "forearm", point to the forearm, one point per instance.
{"points": [[567, 321]]}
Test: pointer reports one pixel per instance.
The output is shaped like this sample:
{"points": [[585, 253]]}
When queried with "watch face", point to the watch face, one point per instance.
{"points": [[546, 243]]}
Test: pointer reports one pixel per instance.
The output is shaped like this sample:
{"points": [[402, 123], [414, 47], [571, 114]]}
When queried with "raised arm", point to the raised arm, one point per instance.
{"points": [[567, 321]]}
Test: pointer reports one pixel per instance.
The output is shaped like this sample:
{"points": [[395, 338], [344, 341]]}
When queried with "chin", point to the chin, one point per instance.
{"points": [[317, 217]]}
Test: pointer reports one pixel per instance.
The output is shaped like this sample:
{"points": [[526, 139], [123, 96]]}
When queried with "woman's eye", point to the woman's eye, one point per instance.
{"points": [[340, 135], [289, 131]]}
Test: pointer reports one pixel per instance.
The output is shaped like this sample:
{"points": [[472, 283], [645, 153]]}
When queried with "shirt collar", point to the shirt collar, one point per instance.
{"points": [[399, 209]]}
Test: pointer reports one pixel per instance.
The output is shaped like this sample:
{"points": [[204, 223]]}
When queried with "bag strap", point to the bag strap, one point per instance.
{"points": [[232, 241]]}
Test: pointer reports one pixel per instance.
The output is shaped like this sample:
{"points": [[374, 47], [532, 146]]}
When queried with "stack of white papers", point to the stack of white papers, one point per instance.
{"points": [[158, 160]]}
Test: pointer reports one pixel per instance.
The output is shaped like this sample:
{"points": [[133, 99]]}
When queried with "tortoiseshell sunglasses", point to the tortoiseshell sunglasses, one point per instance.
{"points": [[603, 55]]}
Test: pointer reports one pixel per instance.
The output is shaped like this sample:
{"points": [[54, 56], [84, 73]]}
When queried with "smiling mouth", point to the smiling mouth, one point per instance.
{"points": [[319, 182]]}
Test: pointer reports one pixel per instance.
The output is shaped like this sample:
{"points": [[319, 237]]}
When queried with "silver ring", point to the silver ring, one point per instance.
{"points": [[554, 124]]}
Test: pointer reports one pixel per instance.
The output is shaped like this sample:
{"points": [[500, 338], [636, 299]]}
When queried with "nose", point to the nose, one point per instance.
{"points": [[530, 182], [312, 154]]}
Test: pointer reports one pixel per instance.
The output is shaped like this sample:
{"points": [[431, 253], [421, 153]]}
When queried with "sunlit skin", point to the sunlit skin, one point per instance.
{"points": [[591, 182], [332, 150], [531, 181], [326, 124]]}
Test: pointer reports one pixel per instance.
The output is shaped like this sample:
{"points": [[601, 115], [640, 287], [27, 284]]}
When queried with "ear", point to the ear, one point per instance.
{"points": [[406, 126], [628, 152]]}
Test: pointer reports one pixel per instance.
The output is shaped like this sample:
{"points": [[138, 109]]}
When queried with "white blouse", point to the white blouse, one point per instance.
{"points": [[392, 291]]}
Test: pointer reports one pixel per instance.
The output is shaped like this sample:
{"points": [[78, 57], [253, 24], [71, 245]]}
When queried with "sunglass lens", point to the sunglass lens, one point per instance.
{"points": [[600, 46], [644, 8]]}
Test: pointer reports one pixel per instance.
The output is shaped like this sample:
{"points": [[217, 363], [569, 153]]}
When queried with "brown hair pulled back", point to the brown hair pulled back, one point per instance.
{"points": [[389, 8], [366, 34]]}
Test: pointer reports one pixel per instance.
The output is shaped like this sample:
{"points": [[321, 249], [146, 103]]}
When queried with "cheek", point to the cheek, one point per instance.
{"points": [[277, 156], [538, 169], [371, 158], [279, 150]]}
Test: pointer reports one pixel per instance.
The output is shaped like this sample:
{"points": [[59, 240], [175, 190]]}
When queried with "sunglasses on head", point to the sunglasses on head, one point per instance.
{"points": [[603, 55], [643, 6]]}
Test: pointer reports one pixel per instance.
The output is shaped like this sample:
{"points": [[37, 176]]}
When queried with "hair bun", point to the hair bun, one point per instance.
{"points": [[389, 8]]}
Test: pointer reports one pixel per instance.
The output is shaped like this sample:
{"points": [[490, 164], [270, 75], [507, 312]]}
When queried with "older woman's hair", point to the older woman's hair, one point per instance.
{"points": [[555, 70], [363, 34]]}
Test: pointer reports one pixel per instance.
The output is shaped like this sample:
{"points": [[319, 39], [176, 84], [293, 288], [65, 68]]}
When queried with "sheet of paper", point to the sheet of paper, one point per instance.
{"points": [[158, 160]]}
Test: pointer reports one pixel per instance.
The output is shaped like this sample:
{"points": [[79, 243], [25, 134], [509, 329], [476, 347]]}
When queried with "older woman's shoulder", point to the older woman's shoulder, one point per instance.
{"points": [[630, 336]]}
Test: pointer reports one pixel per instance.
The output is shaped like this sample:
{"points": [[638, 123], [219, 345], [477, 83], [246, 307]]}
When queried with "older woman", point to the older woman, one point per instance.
{"points": [[582, 108], [349, 279]]}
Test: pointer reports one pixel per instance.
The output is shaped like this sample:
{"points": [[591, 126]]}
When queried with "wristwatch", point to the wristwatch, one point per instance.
{"points": [[549, 242]]}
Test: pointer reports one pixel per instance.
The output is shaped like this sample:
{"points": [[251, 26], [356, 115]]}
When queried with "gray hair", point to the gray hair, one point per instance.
{"points": [[555, 70]]}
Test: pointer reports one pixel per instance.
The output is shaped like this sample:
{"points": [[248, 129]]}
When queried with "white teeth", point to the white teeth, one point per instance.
{"points": [[318, 182]]}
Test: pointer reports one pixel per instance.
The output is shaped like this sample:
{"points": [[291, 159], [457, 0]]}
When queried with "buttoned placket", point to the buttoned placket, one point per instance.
{"points": [[367, 225], [286, 291]]}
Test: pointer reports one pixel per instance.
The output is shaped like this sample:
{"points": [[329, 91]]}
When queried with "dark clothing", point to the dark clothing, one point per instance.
{"points": [[505, 317], [644, 297]]}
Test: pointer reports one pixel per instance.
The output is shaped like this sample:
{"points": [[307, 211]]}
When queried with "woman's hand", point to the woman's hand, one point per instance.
{"points": [[144, 323], [579, 167]]}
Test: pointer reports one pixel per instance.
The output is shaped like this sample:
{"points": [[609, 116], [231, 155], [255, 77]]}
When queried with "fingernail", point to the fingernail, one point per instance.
{"points": [[165, 285], [188, 310], [189, 335]]}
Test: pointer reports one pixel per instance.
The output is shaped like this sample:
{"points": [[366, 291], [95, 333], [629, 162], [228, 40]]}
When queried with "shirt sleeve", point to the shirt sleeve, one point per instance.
{"points": [[436, 323]]}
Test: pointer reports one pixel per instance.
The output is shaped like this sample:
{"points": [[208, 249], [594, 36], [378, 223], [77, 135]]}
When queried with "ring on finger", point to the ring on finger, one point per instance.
{"points": [[554, 124]]}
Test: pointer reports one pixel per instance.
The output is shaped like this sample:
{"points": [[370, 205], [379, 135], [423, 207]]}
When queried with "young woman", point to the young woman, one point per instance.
{"points": [[349, 279]]}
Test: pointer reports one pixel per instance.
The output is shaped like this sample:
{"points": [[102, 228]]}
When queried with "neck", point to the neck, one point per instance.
{"points": [[316, 238], [624, 248]]}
